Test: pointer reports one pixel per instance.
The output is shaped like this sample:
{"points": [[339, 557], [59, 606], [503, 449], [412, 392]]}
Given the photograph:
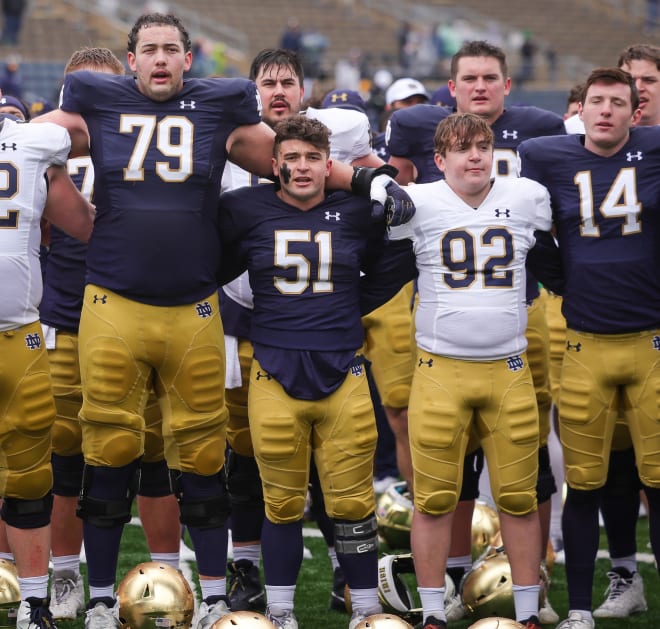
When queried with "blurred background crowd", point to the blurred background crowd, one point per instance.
{"points": [[361, 45]]}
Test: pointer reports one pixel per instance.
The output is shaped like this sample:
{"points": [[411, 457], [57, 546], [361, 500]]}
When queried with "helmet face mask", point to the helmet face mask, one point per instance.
{"points": [[396, 581], [244, 620], [10, 594], [155, 596]]}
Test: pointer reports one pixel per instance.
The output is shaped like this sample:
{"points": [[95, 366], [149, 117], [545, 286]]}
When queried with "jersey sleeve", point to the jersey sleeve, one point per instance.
{"points": [[80, 90], [542, 207]]}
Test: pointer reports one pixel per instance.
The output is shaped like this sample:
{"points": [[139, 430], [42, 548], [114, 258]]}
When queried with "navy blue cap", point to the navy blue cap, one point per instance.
{"points": [[443, 97], [344, 99]]}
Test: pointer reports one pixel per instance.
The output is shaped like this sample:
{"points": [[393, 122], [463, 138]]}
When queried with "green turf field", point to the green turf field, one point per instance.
{"points": [[315, 582]]}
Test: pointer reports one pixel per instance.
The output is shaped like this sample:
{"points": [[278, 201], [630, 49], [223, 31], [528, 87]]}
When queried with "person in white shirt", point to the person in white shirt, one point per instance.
{"points": [[471, 235]]}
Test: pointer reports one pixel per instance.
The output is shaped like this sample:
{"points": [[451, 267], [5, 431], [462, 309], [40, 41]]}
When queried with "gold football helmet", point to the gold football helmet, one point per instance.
{"points": [[10, 594], [487, 589], [155, 596], [383, 621], [496, 623], [245, 619], [485, 528], [394, 511]]}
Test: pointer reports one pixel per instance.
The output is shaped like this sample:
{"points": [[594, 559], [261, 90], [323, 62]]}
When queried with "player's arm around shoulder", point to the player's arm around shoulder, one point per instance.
{"points": [[76, 126], [66, 207], [251, 147]]}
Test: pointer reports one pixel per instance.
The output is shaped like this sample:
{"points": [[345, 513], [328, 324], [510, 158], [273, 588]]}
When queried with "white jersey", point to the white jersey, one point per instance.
{"points": [[471, 266], [26, 152], [351, 136], [574, 124], [350, 140]]}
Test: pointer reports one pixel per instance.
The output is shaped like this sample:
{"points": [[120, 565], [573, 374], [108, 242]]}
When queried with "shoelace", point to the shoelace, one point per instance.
{"points": [[238, 579], [40, 616], [62, 588], [618, 585]]}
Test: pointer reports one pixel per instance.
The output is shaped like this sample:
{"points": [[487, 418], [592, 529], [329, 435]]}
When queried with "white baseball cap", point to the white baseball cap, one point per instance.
{"points": [[404, 88]]}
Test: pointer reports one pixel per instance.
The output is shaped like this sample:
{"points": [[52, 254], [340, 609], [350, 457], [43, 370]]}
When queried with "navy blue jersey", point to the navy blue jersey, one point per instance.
{"points": [[410, 134], [411, 131], [607, 214], [158, 167], [304, 266], [64, 276], [379, 146], [516, 124]]}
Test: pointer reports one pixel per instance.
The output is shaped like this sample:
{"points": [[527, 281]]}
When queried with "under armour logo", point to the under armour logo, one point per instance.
{"points": [[428, 363], [333, 216], [381, 152], [204, 310], [577, 347], [8, 147], [506, 134], [340, 98], [187, 104], [506, 213], [631, 156], [357, 370], [33, 341], [103, 299], [515, 363], [656, 342], [261, 375]]}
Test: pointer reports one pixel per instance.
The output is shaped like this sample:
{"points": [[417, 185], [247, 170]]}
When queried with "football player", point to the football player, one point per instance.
{"points": [[64, 284], [480, 83], [604, 191], [470, 330], [36, 184], [278, 75], [621, 495], [308, 392], [159, 145]]}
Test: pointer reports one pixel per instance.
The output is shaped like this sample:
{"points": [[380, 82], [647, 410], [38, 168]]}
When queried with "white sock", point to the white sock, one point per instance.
{"points": [[280, 598], [67, 563], [433, 602], [169, 559], [251, 553], [107, 591], [213, 587], [629, 563], [526, 601], [365, 601], [33, 586]]}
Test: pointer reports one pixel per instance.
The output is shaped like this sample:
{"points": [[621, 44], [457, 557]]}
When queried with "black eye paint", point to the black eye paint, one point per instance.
{"points": [[285, 173]]}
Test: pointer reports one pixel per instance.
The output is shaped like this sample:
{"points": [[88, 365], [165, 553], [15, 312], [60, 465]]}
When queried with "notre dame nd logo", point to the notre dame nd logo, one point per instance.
{"points": [[515, 363], [33, 341], [204, 310]]}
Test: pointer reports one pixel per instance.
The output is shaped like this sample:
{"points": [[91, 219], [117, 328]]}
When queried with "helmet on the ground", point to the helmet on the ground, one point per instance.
{"points": [[10, 594], [243, 620], [487, 589], [383, 621], [155, 596], [393, 591], [485, 528], [496, 622], [394, 511]]}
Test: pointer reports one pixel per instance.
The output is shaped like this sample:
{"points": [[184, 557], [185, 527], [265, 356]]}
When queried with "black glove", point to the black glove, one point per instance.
{"points": [[388, 199]]}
